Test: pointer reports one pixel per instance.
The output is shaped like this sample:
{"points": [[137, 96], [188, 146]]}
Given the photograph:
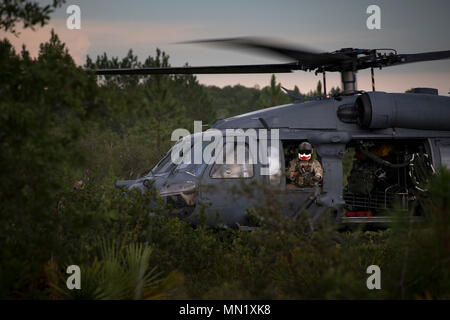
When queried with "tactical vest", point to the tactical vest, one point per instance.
{"points": [[305, 178]]}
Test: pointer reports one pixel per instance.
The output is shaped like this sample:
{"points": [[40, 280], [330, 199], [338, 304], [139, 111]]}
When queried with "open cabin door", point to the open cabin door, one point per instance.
{"points": [[292, 200], [383, 176]]}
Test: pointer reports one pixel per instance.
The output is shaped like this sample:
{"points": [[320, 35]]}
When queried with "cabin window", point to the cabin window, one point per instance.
{"points": [[227, 170], [189, 165], [274, 168], [445, 154]]}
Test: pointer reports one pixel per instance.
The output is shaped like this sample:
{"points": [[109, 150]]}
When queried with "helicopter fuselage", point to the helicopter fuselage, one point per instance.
{"points": [[409, 124]]}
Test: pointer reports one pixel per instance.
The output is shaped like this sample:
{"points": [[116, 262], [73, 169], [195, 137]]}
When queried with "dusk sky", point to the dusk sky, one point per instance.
{"points": [[116, 26]]}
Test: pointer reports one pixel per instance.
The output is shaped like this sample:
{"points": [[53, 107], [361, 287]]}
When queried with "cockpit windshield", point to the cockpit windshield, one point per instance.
{"points": [[190, 164], [164, 165]]}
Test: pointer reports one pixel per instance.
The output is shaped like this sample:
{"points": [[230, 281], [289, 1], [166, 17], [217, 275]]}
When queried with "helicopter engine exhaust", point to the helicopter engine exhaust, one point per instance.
{"points": [[380, 110]]}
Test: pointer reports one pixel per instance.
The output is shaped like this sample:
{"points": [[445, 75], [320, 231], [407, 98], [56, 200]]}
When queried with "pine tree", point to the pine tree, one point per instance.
{"points": [[319, 88], [272, 95], [29, 13]]}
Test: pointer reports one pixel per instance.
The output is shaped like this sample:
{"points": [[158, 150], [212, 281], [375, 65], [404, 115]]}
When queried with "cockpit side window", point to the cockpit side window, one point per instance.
{"points": [[234, 170]]}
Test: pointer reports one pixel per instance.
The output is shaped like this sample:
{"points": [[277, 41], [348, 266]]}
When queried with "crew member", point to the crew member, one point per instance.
{"points": [[303, 171]]}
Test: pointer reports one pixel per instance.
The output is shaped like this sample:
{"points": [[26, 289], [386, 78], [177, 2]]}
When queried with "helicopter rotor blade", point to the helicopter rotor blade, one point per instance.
{"points": [[343, 60], [420, 57], [256, 68], [308, 58]]}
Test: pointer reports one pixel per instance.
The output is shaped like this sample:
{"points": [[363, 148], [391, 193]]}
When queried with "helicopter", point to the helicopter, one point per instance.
{"points": [[394, 142]]}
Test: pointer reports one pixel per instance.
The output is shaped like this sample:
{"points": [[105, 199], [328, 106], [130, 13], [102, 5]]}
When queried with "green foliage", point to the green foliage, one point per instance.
{"points": [[334, 91], [421, 267], [233, 100], [319, 88], [347, 164], [148, 107], [272, 95], [123, 272], [44, 102], [66, 137], [29, 13]]}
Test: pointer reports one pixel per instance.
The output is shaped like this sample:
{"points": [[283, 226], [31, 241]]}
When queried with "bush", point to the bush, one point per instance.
{"points": [[65, 139]]}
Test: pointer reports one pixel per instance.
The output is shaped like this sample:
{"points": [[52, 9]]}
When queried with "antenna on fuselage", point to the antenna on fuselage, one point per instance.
{"points": [[294, 95]]}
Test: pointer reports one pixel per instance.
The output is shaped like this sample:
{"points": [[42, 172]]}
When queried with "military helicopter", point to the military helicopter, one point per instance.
{"points": [[393, 141]]}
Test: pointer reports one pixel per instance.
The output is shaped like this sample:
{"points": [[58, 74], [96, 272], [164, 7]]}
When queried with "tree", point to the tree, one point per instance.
{"points": [[144, 110], [44, 103], [334, 91], [164, 113], [104, 62], [317, 92], [319, 88], [272, 95], [233, 100], [29, 13], [193, 97]]}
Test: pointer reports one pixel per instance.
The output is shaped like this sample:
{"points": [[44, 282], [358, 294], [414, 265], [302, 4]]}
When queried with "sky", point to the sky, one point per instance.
{"points": [[115, 26]]}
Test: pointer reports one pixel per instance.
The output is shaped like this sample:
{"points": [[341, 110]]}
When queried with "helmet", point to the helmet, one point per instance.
{"points": [[305, 151], [305, 146]]}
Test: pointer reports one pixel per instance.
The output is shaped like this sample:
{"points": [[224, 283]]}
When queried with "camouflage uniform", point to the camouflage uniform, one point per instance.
{"points": [[307, 170]]}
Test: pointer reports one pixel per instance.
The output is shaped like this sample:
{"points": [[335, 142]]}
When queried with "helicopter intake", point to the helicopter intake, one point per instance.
{"points": [[379, 110]]}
